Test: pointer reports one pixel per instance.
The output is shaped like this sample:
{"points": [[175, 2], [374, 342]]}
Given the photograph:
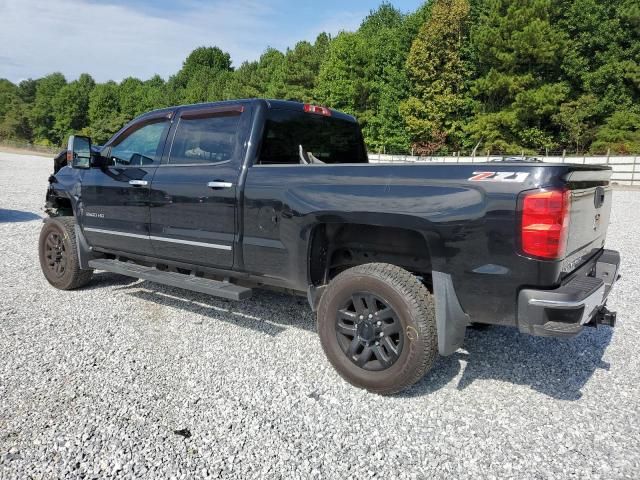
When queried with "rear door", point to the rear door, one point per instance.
{"points": [[193, 194], [115, 198]]}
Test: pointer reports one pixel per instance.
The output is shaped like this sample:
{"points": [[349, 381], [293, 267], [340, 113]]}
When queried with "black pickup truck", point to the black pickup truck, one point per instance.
{"points": [[396, 260]]}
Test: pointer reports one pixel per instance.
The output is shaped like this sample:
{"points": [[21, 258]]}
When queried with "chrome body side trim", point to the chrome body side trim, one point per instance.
{"points": [[160, 239]]}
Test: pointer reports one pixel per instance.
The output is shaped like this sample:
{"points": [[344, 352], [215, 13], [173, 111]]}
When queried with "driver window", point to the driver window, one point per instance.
{"points": [[140, 147]]}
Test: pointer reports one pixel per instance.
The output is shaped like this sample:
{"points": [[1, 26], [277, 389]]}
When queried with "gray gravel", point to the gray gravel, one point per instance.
{"points": [[96, 382]]}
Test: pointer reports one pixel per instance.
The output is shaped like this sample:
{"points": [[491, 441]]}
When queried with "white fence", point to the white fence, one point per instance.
{"points": [[626, 169]]}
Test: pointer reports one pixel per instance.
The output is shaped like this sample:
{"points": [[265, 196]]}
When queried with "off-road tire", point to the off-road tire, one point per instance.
{"points": [[69, 276], [415, 309]]}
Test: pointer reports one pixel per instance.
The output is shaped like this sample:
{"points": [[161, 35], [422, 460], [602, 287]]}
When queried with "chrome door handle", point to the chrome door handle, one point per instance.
{"points": [[138, 183], [218, 184]]}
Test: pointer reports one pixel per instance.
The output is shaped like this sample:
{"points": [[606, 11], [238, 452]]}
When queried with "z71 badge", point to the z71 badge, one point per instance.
{"points": [[517, 177]]}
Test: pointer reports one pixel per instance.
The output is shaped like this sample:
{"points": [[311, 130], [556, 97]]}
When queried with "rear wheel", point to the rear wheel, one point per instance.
{"points": [[377, 327], [59, 254]]}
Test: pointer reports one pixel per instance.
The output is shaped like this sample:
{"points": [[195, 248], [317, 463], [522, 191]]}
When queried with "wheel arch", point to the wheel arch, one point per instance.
{"points": [[59, 203], [328, 240], [334, 247]]}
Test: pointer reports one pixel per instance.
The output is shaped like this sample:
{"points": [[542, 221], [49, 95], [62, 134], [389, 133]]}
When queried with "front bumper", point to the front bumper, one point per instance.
{"points": [[579, 302]]}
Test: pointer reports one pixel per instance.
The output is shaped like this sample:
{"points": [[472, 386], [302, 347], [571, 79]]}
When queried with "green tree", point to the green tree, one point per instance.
{"points": [[518, 54], [508, 75], [438, 106], [620, 133], [27, 90], [8, 92], [244, 82], [203, 58], [70, 107], [577, 119], [14, 121], [363, 74], [296, 75], [14, 125], [42, 113], [604, 49], [132, 97], [602, 62], [155, 93], [105, 117], [341, 78], [263, 78], [201, 69]]}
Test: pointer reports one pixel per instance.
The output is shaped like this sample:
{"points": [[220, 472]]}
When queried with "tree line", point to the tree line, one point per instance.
{"points": [[505, 76]]}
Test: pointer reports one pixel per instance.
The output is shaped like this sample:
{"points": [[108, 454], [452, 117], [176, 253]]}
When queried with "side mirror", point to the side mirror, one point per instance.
{"points": [[79, 151]]}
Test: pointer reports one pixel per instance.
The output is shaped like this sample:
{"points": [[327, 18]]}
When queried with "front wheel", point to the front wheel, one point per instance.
{"points": [[58, 253], [377, 326]]}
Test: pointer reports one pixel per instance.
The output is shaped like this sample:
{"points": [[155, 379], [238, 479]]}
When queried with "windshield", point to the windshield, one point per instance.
{"points": [[295, 137]]}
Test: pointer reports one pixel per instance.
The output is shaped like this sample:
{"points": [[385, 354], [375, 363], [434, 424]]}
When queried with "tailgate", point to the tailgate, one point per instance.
{"points": [[589, 213]]}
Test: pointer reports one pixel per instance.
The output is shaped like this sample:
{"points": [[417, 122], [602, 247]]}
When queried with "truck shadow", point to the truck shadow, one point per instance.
{"points": [[554, 367], [107, 279], [15, 216], [266, 312], [558, 368]]}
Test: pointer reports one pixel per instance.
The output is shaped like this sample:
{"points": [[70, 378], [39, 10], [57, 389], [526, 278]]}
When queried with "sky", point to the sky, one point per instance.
{"points": [[115, 39]]}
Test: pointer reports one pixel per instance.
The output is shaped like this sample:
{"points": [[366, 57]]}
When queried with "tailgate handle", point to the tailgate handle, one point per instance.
{"points": [[599, 197]]}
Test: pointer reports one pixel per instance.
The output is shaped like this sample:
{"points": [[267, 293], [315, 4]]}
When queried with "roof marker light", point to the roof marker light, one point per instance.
{"points": [[317, 110]]}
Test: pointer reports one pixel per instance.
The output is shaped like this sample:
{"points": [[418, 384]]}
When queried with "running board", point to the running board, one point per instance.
{"points": [[174, 279]]}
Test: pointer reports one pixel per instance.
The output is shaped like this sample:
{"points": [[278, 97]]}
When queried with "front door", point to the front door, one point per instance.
{"points": [[193, 194], [114, 206]]}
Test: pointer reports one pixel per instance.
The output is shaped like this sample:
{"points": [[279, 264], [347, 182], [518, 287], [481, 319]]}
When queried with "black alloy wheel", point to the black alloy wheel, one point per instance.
{"points": [[58, 254], [55, 254], [377, 326], [369, 331]]}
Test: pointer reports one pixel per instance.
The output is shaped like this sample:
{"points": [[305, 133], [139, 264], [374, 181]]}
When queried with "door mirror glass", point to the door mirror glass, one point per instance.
{"points": [[79, 151]]}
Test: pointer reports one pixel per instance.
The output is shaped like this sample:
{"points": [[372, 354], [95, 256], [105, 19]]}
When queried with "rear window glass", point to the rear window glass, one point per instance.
{"points": [[294, 137], [204, 140]]}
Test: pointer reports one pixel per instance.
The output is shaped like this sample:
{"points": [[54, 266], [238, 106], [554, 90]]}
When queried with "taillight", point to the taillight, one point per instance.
{"points": [[316, 109], [545, 223]]}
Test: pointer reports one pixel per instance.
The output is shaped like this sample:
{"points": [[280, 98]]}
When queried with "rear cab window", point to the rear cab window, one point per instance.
{"points": [[294, 137], [208, 137]]}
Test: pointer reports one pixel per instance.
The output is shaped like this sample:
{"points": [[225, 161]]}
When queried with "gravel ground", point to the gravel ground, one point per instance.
{"points": [[126, 378]]}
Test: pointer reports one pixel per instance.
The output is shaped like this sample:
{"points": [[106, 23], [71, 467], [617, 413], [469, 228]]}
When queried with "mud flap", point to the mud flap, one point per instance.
{"points": [[314, 294], [451, 320], [84, 250]]}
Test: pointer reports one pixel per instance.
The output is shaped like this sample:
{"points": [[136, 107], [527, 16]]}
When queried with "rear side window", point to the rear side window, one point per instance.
{"points": [[294, 137], [205, 139]]}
